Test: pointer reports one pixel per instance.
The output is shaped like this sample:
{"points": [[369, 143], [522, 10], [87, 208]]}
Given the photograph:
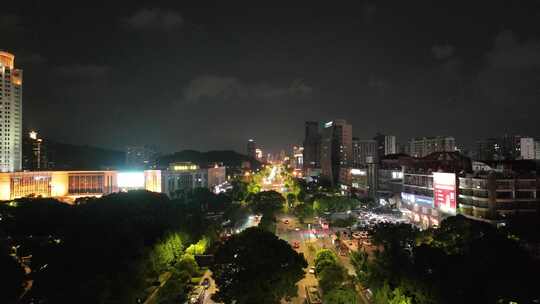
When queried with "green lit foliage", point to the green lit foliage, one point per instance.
{"points": [[198, 248], [324, 204], [302, 211], [267, 203], [331, 276], [341, 296], [324, 258], [110, 249]]}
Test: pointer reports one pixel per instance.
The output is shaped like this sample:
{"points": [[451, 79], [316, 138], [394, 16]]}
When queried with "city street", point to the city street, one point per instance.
{"points": [[309, 243]]}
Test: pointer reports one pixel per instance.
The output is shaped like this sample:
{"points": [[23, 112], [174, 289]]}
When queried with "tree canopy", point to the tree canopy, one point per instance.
{"points": [[255, 266], [463, 261]]}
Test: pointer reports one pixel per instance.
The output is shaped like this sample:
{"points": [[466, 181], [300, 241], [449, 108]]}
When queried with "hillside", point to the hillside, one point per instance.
{"points": [[204, 159]]}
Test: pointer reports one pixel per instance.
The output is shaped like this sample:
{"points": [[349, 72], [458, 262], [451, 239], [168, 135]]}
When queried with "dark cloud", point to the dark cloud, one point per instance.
{"points": [[10, 23], [368, 12], [154, 19], [81, 71], [511, 53], [443, 51], [227, 88], [30, 58]]}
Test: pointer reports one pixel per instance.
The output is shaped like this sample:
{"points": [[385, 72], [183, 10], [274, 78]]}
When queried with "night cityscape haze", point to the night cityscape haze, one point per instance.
{"points": [[165, 152]]}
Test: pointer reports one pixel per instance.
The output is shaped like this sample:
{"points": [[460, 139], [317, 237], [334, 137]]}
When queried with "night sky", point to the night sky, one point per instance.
{"points": [[118, 73]]}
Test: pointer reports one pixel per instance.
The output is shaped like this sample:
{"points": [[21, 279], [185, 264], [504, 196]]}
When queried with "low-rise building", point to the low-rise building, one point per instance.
{"points": [[70, 185], [499, 190], [430, 187]]}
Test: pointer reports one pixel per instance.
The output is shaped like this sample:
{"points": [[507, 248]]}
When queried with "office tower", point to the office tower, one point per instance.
{"points": [[527, 148], [386, 144], [364, 151], [11, 118], [424, 146], [34, 153], [336, 151], [312, 144], [141, 156], [298, 157], [487, 149], [252, 148]]}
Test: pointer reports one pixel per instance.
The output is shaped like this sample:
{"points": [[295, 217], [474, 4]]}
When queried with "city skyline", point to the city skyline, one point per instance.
{"points": [[181, 77]]}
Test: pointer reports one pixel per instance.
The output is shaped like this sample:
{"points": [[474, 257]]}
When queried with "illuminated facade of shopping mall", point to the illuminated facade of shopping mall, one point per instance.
{"points": [[70, 185]]}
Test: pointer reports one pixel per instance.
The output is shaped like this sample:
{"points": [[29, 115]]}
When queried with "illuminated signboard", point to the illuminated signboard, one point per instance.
{"points": [[444, 192], [417, 199], [130, 180], [328, 124], [358, 172]]}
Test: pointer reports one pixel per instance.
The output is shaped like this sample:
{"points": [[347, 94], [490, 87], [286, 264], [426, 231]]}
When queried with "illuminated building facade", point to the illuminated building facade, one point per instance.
{"points": [[498, 190], [424, 146], [298, 157], [336, 151], [65, 185], [187, 176], [34, 153], [70, 185], [11, 80], [430, 187], [364, 151]]}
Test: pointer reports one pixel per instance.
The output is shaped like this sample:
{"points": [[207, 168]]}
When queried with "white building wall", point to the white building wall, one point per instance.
{"points": [[10, 114], [527, 147]]}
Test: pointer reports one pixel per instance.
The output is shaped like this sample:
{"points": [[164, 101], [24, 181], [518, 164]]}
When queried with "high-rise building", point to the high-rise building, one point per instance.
{"points": [[252, 148], [364, 151], [11, 118], [487, 149], [312, 144], [34, 153], [141, 156], [424, 146], [259, 154], [537, 150], [298, 157], [527, 148], [386, 144], [336, 151]]}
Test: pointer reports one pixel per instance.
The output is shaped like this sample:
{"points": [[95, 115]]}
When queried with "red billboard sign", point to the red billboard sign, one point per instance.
{"points": [[444, 192]]}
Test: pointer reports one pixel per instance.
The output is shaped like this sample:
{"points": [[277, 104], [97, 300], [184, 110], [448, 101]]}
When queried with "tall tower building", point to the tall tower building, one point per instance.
{"points": [[252, 149], [336, 151], [10, 114], [386, 144], [312, 144]]}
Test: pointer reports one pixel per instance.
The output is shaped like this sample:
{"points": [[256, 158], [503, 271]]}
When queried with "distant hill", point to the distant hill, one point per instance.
{"points": [[205, 159], [73, 157]]}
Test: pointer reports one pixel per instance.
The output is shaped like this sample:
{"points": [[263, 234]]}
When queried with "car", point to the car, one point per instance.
{"points": [[296, 245], [312, 270], [206, 283]]}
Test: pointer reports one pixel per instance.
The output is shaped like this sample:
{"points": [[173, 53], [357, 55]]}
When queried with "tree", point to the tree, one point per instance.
{"points": [[267, 203], [11, 279], [255, 266], [359, 260], [332, 276], [291, 198], [324, 258], [303, 210], [341, 296]]}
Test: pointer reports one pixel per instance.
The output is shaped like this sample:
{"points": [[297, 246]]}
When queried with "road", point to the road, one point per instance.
{"points": [[309, 244]]}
